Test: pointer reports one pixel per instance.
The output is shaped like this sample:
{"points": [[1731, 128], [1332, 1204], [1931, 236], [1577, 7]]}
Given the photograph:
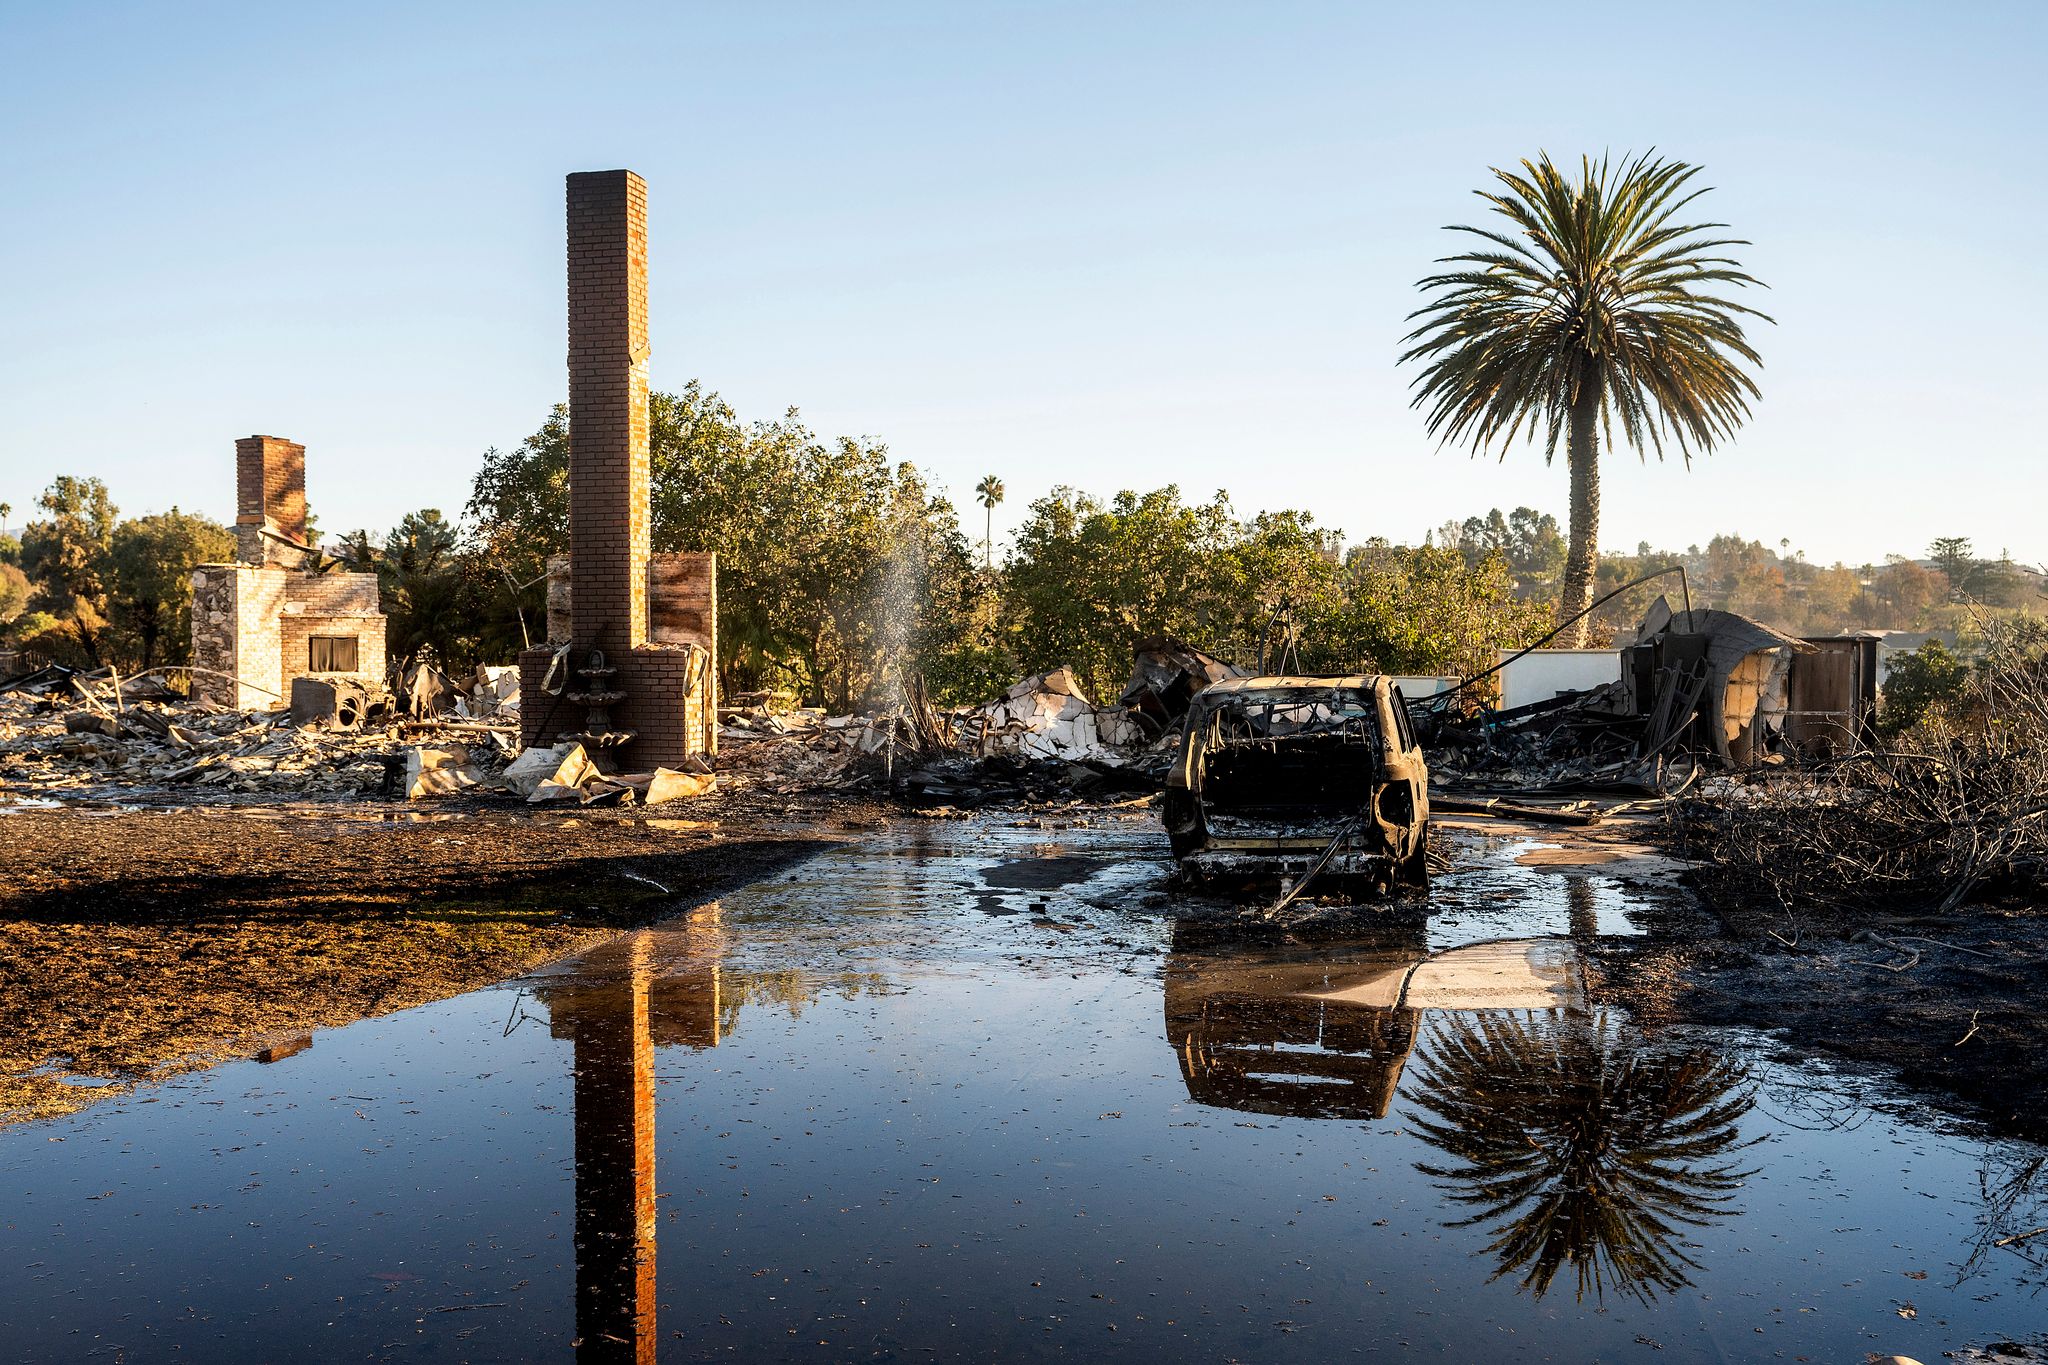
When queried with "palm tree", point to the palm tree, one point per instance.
{"points": [[1580, 1143], [988, 493], [1593, 309]]}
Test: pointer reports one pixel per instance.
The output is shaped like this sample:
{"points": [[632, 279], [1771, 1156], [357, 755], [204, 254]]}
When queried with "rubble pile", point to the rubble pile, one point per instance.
{"points": [[1704, 687], [1165, 676], [65, 732], [1042, 739], [1049, 717], [493, 694], [1578, 742], [796, 750]]}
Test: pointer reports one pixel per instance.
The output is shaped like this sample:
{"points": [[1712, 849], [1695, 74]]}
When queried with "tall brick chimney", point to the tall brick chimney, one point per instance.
{"points": [[608, 525], [654, 701], [270, 493]]}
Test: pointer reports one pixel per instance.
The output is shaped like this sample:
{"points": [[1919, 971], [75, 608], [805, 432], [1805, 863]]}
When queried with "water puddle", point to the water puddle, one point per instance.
{"points": [[966, 1091]]}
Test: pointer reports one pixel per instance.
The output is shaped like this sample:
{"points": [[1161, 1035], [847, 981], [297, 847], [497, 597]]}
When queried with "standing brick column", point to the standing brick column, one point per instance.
{"points": [[655, 619], [608, 525]]}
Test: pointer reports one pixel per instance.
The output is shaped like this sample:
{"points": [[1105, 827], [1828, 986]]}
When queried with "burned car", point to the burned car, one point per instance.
{"points": [[1272, 772]]}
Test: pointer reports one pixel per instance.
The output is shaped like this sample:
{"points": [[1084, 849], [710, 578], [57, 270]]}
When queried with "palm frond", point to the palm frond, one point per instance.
{"points": [[1594, 289]]}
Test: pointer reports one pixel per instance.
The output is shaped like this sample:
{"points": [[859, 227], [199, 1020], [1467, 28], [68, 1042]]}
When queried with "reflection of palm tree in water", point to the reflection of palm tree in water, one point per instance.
{"points": [[1577, 1143]]}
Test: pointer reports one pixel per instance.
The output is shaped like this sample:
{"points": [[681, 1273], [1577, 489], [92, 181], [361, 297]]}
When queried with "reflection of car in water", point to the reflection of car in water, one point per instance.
{"points": [[1271, 771], [1322, 1029]]}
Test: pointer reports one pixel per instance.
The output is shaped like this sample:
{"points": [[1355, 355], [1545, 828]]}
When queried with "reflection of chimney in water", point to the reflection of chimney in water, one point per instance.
{"points": [[614, 1007], [615, 1251]]}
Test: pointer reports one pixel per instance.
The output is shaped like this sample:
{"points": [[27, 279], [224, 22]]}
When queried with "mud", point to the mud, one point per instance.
{"points": [[1952, 1010], [136, 944]]}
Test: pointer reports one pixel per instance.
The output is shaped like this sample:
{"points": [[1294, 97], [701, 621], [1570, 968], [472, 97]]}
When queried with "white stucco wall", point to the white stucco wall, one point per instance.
{"points": [[1541, 675]]}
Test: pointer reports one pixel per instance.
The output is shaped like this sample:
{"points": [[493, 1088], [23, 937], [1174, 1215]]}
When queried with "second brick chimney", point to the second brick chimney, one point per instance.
{"points": [[270, 494]]}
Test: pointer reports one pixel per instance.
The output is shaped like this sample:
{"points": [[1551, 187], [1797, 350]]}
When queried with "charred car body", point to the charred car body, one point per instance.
{"points": [[1272, 771]]}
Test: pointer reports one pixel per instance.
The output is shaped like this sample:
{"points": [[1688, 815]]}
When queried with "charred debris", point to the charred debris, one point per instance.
{"points": [[1695, 693], [1762, 749], [1953, 812]]}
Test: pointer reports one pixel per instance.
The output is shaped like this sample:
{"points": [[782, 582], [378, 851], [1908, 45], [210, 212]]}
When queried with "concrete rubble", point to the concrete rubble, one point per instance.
{"points": [[1697, 691], [64, 733], [439, 770], [1043, 739], [1048, 716]]}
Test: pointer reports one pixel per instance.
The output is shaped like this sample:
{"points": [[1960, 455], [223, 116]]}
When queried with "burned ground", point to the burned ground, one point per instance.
{"points": [[1947, 1004], [135, 943]]}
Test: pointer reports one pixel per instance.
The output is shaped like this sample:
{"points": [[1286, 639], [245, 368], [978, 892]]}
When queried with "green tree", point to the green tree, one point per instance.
{"points": [[1089, 580], [1422, 610], [818, 541], [1536, 547], [989, 493], [426, 589], [1998, 583], [1594, 308], [150, 561], [1951, 555], [1530, 539], [65, 556], [1923, 684]]}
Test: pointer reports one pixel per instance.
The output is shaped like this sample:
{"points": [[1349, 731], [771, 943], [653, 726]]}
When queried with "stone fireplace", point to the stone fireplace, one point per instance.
{"points": [[272, 616]]}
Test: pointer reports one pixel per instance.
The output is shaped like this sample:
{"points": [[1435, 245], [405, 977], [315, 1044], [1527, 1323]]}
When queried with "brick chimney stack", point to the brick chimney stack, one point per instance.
{"points": [[654, 616], [270, 494], [608, 470]]}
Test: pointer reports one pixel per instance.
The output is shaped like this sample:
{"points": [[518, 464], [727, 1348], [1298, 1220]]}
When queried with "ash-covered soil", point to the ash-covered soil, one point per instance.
{"points": [[1948, 1004], [137, 943]]}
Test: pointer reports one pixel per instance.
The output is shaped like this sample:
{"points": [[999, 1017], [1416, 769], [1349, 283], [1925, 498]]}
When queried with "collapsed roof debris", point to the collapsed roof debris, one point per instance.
{"points": [[1165, 676], [1049, 716], [69, 733], [1696, 687], [64, 732], [1042, 736]]}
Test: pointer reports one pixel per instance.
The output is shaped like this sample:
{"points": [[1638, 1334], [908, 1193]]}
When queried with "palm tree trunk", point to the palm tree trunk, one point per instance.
{"points": [[1582, 453], [988, 535]]}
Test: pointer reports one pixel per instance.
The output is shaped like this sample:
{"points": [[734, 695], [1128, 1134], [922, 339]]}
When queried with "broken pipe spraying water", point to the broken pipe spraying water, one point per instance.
{"points": [[894, 612]]}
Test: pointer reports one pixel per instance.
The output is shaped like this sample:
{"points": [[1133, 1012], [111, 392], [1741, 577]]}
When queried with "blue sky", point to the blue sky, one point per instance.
{"points": [[1102, 245]]}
